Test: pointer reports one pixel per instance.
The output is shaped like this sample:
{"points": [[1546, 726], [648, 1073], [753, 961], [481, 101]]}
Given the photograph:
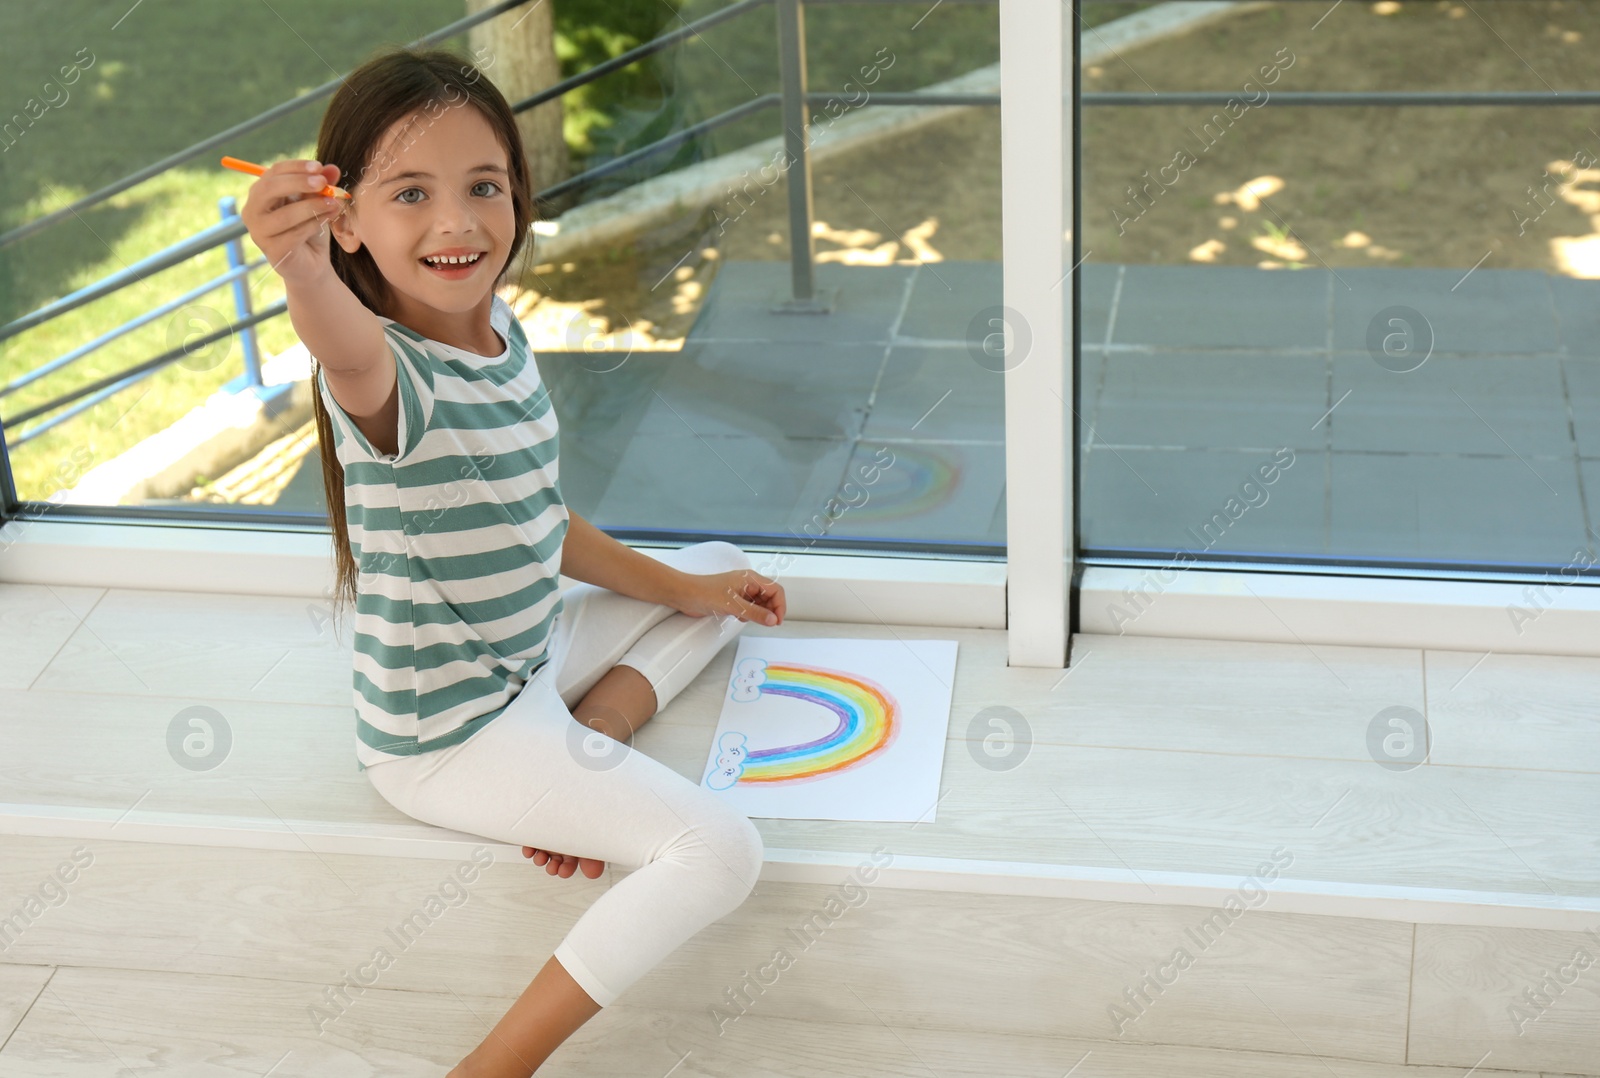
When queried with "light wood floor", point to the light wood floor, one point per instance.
{"points": [[1145, 754], [1148, 756]]}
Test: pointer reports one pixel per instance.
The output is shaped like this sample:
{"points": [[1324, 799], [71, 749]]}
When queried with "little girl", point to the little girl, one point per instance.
{"points": [[478, 685]]}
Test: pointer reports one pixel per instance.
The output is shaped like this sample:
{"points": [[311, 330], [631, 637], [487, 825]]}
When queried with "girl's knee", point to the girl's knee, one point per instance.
{"points": [[738, 845], [727, 554], [752, 849]]}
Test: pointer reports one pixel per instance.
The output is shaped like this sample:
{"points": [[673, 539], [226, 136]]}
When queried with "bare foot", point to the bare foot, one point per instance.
{"points": [[564, 864]]}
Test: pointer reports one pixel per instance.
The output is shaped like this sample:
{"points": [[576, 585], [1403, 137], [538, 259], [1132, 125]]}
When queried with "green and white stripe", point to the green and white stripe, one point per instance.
{"points": [[457, 539]]}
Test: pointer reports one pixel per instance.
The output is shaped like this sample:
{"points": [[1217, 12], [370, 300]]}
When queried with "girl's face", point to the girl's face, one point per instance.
{"points": [[436, 187]]}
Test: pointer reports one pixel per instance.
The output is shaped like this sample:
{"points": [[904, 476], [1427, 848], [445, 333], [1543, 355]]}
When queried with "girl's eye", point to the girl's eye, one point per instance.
{"points": [[412, 202], [485, 183]]}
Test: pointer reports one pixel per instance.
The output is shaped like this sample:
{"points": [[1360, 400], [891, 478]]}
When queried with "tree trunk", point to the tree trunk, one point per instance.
{"points": [[517, 51]]}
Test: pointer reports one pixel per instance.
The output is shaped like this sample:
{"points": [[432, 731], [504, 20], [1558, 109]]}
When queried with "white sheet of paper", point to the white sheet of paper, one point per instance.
{"points": [[831, 729]]}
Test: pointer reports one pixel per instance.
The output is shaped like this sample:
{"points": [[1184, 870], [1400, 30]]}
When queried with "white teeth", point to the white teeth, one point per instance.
{"points": [[452, 260]]}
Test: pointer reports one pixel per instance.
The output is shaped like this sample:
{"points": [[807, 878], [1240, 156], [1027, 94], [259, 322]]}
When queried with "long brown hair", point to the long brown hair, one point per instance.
{"points": [[387, 88]]}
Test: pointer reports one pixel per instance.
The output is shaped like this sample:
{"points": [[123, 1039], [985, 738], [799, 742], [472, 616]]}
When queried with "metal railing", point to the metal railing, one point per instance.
{"points": [[95, 392], [791, 101]]}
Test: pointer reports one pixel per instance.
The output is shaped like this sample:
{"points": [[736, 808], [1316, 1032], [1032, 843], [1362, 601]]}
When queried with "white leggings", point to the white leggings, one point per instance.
{"points": [[535, 776]]}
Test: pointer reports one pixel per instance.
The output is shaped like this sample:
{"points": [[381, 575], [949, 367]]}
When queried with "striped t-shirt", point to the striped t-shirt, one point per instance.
{"points": [[457, 538]]}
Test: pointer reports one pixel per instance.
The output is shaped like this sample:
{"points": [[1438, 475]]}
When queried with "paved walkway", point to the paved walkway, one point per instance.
{"points": [[1193, 378], [1411, 415]]}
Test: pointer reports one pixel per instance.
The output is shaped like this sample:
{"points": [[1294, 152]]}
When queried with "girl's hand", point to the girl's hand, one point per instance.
{"points": [[288, 220], [563, 864], [744, 593]]}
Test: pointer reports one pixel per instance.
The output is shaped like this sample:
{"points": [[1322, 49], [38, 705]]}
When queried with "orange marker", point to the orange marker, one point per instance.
{"points": [[237, 165]]}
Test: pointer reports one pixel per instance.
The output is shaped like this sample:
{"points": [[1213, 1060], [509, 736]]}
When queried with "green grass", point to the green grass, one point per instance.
{"points": [[172, 72]]}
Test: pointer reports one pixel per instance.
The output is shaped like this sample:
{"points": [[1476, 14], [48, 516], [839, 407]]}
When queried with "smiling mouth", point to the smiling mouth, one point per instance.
{"points": [[450, 262]]}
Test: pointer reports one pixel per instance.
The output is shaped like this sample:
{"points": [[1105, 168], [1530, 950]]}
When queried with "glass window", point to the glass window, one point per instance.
{"points": [[1345, 332]]}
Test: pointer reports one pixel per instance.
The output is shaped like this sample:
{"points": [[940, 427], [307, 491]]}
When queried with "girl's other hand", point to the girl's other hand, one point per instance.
{"points": [[744, 593], [288, 220], [563, 864]]}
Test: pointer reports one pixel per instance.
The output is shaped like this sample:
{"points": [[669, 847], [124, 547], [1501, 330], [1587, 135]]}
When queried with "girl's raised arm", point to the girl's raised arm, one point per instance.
{"points": [[289, 222]]}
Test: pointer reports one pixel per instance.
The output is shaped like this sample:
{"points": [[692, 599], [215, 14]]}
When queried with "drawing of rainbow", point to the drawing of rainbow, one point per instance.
{"points": [[869, 721]]}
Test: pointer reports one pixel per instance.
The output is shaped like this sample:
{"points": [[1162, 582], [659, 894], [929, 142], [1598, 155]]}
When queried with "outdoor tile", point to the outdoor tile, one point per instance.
{"points": [[599, 408], [763, 390], [738, 305], [1470, 510], [1496, 405], [601, 390], [967, 400], [1577, 314], [304, 492], [1091, 379], [1494, 311], [1160, 500], [930, 492], [1213, 400], [722, 484], [1222, 307], [997, 523], [1097, 284], [946, 296], [1583, 391], [589, 456], [1589, 472]]}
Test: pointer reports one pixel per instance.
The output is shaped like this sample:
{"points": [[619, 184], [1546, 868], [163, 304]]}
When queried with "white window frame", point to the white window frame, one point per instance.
{"points": [[1310, 606], [1036, 201]]}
